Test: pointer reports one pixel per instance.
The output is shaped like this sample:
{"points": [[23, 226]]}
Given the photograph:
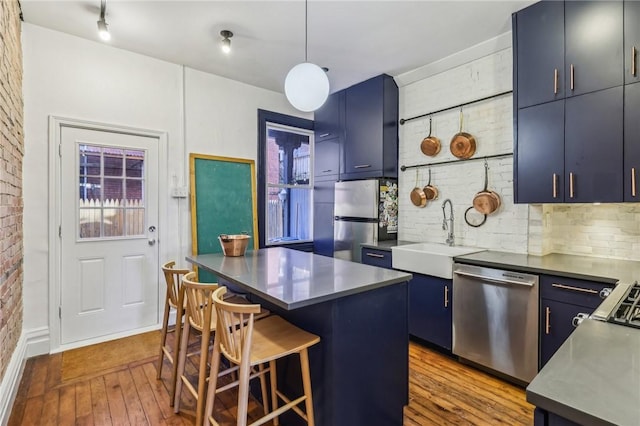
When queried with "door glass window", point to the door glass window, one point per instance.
{"points": [[110, 192]]}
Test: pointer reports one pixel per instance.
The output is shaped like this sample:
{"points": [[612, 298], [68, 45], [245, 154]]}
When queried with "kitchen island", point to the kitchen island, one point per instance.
{"points": [[359, 370]]}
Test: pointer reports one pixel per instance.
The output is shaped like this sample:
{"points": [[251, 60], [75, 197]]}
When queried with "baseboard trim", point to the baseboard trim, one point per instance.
{"points": [[11, 379], [38, 341]]}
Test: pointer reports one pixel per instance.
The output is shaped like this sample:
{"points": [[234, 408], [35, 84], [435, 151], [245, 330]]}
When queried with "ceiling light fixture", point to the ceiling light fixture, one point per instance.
{"points": [[103, 31], [225, 44], [306, 85]]}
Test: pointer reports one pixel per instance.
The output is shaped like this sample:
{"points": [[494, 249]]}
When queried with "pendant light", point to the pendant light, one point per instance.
{"points": [[103, 30], [306, 85]]}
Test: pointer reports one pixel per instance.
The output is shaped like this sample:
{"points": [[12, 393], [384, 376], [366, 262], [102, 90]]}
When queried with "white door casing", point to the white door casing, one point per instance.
{"points": [[107, 273]]}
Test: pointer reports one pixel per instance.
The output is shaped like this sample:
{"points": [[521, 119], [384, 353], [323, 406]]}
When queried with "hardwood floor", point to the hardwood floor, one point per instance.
{"points": [[441, 392]]}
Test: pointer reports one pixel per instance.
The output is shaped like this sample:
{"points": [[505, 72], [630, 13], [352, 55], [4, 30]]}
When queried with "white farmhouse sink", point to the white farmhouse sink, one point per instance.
{"points": [[428, 258]]}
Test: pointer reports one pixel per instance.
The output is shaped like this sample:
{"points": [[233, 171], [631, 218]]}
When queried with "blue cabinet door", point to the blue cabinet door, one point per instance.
{"points": [[430, 309], [593, 147], [326, 157], [370, 148], [539, 53], [329, 118], [593, 46], [539, 154], [323, 229], [556, 325], [632, 141], [631, 41]]}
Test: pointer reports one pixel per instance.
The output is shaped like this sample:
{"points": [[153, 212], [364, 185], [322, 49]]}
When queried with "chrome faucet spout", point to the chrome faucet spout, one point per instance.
{"points": [[448, 226]]}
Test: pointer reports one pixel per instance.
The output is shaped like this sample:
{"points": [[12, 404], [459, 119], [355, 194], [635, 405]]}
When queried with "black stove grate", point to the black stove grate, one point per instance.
{"points": [[628, 310]]}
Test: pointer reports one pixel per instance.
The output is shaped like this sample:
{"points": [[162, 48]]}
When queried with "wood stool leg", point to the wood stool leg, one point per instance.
{"points": [[163, 337], [177, 344], [243, 391], [182, 359], [263, 389], [213, 380], [306, 384], [273, 376], [202, 374]]}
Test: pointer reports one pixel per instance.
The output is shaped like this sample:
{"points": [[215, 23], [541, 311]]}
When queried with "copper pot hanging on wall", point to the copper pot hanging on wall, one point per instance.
{"points": [[418, 197], [486, 201], [463, 144], [430, 145]]}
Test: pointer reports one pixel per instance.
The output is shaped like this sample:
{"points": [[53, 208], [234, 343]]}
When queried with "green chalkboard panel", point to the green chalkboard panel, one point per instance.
{"points": [[223, 201]]}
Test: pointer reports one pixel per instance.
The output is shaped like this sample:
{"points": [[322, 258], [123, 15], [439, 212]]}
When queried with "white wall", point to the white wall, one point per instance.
{"points": [[491, 122], [75, 78]]}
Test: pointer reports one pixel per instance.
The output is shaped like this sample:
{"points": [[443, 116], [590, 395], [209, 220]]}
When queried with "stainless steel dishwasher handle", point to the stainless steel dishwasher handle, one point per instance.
{"points": [[494, 280]]}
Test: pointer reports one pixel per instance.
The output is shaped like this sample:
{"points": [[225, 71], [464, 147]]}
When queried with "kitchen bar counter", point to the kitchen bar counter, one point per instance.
{"points": [[565, 265], [594, 378], [292, 279], [360, 368]]}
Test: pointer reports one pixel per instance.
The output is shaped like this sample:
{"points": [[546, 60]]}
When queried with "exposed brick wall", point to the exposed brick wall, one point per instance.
{"points": [[11, 154]]}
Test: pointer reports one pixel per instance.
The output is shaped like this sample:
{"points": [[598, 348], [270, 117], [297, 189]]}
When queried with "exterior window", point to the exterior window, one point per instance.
{"points": [[110, 192], [288, 172]]}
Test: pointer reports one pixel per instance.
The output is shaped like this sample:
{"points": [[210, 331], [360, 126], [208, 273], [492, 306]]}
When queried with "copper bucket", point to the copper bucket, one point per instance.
{"points": [[234, 245]]}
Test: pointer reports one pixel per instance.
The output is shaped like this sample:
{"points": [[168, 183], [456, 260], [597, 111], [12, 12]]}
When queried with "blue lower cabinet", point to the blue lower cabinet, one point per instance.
{"points": [[430, 309], [545, 418], [375, 257]]}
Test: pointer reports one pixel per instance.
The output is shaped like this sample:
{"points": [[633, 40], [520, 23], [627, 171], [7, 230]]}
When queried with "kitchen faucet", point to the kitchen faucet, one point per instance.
{"points": [[445, 226]]}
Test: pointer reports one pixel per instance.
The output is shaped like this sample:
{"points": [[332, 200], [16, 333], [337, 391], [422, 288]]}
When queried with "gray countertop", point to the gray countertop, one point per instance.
{"points": [[580, 267], [594, 378], [293, 279]]}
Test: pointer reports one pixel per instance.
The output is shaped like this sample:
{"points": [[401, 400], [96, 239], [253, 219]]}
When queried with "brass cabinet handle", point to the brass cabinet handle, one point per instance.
{"points": [[555, 81], [324, 135], [326, 171], [571, 76], [555, 185], [633, 181], [446, 296], [362, 166], [547, 315], [572, 288], [379, 256], [633, 61], [571, 184]]}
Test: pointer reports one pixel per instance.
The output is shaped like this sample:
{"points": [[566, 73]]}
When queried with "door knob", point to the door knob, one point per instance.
{"points": [[152, 241]]}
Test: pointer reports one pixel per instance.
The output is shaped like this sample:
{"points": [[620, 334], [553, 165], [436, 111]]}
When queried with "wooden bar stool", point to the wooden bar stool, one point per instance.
{"points": [[201, 318], [248, 343], [173, 279]]}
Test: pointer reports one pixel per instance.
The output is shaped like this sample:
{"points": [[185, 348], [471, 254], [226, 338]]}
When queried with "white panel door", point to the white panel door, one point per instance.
{"points": [[109, 266]]}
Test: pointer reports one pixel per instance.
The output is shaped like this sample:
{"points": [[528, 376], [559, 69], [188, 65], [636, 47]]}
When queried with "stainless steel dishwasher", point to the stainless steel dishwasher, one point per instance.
{"points": [[495, 319]]}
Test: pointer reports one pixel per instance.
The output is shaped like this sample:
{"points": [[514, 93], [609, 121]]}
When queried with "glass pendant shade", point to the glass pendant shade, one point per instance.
{"points": [[306, 87]]}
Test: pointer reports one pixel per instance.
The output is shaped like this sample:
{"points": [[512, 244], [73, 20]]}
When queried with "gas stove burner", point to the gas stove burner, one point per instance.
{"points": [[627, 312]]}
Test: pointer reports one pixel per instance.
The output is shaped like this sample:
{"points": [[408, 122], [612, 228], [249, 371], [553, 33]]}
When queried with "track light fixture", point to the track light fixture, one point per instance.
{"points": [[103, 31], [225, 44], [306, 85]]}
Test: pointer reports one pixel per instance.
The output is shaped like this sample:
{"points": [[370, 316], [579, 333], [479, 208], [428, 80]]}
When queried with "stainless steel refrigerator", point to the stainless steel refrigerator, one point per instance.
{"points": [[366, 211]]}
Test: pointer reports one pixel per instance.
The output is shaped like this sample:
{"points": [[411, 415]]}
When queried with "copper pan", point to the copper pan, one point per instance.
{"points": [[430, 191], [463, 144], [430, 145], [418, 197], [486, 201]]}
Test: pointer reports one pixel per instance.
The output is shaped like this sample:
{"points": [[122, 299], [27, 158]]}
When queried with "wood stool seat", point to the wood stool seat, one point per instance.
{"points": [[246, 344]]}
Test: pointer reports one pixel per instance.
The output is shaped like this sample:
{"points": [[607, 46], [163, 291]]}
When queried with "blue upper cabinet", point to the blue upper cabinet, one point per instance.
{"points": [[594, 58], [329, 119], [631, 41], [631, 142], [568, 94], [370, 148], [539, 77]]}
